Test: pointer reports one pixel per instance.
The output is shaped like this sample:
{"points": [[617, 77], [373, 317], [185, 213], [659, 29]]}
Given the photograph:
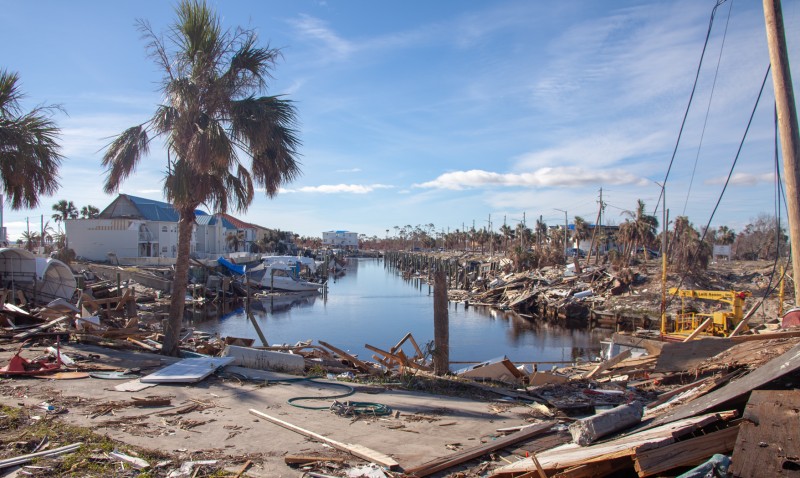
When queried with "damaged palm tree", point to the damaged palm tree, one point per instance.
{"points": [[211, 118]]}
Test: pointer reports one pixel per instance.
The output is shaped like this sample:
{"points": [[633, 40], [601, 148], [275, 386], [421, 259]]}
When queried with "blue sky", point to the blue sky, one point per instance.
{"points": [[441, 112]]}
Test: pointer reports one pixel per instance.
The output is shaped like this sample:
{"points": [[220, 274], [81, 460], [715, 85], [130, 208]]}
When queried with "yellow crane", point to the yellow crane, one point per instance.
{"points": [[723, 321]]}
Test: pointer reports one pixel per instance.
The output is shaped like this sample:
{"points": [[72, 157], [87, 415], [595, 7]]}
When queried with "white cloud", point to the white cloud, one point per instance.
{"points": [[543, 177], [339, 188], [744, 179], [317, 30], [596, 150], [351, 170]]}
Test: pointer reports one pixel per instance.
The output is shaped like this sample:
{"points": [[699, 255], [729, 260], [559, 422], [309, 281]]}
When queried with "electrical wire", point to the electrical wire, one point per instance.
{"points": [[688, 106], [727, 180], [708, 109]]}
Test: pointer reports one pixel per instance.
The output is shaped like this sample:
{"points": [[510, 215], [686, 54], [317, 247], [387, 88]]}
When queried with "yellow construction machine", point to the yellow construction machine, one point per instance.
{"points": [[720, 323]]}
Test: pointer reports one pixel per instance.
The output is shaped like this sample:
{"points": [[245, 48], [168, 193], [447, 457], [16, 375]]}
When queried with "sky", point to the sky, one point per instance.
{"points": [[448, 113]]}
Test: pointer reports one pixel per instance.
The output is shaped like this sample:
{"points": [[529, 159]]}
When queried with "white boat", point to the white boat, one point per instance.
{"points": [[305, 261], [284, 276]]}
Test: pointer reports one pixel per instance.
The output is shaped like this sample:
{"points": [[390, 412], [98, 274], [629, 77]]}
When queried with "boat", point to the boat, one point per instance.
{"points": [[286, 276]]}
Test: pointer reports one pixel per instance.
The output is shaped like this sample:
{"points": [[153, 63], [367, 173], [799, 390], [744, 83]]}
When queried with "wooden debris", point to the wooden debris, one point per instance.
{"points": [[609, 363], [689, 452], [589, 429], [306, 459], [448, 461], [357, 450], [769, 441]]}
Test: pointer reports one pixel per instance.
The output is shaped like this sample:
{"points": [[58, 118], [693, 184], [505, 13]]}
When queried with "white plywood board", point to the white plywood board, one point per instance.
{"points": [[188, 370]]}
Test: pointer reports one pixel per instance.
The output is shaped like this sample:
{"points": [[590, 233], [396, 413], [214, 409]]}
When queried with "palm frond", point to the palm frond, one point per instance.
{"points": [[123, 154], [9, 93]]}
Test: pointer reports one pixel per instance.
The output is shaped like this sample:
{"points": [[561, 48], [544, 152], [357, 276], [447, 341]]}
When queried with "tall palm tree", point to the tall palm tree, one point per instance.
{"points": [[29, 150], [210, 120], [644, 225], [581, 232], [64, 210]]}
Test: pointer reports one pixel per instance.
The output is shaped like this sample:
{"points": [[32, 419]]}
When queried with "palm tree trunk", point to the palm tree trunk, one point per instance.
{"points": [[173, 328]]}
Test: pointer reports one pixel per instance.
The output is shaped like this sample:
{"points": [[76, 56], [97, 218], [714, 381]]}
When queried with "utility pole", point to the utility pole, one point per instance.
{"points": [[788, 128]]}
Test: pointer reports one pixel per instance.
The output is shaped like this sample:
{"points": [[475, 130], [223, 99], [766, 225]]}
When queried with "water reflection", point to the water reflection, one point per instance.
{"points": [[373, 305]]}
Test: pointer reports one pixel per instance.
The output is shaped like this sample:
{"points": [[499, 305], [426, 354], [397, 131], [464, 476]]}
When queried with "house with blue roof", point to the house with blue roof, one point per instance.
{"points": [[138, 230]]}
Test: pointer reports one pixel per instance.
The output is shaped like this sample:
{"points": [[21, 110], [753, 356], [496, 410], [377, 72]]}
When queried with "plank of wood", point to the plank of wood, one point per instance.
{"points": [[41, 328], [445, 462], [699, 330], [593, 470], [605, 365], [358, 363], [682, 356], [689, 452], [354, 449], [569, 455], [775, 368], [305, 459], [768, 443]]}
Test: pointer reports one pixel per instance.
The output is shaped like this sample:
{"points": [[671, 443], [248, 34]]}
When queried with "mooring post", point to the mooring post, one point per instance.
{"points": [[441, 325]]}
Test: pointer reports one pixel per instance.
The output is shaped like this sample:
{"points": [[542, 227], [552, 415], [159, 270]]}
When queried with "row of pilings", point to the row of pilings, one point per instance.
{"points": [[460, 274]]}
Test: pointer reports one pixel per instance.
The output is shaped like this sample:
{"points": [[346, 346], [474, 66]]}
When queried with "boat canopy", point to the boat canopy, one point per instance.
{"points": [[42, 279]]}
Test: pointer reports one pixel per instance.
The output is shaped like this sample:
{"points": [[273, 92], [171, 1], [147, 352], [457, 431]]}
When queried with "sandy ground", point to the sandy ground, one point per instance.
{"points": [[428, 426]]}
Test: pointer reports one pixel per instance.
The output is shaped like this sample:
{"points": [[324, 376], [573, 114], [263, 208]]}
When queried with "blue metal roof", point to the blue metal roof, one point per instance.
{"points": [[158, 211]]}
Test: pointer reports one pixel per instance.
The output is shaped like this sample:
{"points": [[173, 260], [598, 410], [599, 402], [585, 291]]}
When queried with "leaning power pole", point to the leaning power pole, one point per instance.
{"points": [[787, 126]]}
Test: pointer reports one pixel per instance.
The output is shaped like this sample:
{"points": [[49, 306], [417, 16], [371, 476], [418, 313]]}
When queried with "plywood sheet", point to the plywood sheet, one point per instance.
{"points": [[768, 443], [680, 356], [188, 370]]}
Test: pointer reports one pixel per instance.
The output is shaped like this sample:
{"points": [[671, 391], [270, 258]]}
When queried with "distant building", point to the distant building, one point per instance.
{"points": [[340, 239]]}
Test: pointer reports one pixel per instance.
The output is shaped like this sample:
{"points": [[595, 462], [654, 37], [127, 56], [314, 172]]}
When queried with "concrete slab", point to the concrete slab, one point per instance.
{"points": [[223, 425]]}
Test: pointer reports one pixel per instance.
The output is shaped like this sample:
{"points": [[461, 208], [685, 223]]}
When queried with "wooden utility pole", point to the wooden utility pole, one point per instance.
{"points": [[441, 324], [787, 127]]}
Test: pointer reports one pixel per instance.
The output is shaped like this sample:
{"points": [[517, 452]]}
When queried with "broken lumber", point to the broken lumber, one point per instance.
{"points": [[306, 459], [605, 365], [356, 362], [448, 461], [589, 429], [18, 460], [775, 368], [690, 452], [354, 449], [768, 444]]}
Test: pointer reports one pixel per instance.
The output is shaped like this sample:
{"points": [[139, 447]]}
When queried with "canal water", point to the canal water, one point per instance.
{"points": [[374, 305]]}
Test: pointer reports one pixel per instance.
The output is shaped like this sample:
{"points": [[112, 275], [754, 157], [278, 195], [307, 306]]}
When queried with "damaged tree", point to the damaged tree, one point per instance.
{"points": [[210, 116]]}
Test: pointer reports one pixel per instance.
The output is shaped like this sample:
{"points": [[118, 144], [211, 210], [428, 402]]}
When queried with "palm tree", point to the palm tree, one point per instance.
{"points": [[581, 232], [644, 225], [30, 239], [29, 152], [64, 210], [210, 118], [89, 212]]}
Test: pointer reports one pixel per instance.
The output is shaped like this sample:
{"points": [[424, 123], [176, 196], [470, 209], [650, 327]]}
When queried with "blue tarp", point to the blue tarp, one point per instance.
{"points": [[236, 269]]}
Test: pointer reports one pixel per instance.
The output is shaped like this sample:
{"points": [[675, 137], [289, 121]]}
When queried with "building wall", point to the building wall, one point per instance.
{"points": [[95, 238], [340, 239]]}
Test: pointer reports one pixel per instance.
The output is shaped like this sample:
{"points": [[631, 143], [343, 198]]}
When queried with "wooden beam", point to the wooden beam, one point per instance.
{"points": [[699, 329], [690, 452], [454, 459], [397, 358], [358, 363], [357, 450], [609, 363]]}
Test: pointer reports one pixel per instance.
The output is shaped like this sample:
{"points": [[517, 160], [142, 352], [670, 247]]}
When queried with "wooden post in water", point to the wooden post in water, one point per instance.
{"points": [[788, 126], [441, 325]]}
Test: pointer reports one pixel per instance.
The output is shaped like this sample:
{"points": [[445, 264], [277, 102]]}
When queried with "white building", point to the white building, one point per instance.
{"points": [[139, 230], [340, 239]]}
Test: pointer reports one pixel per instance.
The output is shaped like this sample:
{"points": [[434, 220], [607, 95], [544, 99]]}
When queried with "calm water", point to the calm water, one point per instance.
{"points": [[376, 306]]}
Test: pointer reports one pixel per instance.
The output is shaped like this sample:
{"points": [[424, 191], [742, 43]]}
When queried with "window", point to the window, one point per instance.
{"points": [[163, 228]]}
